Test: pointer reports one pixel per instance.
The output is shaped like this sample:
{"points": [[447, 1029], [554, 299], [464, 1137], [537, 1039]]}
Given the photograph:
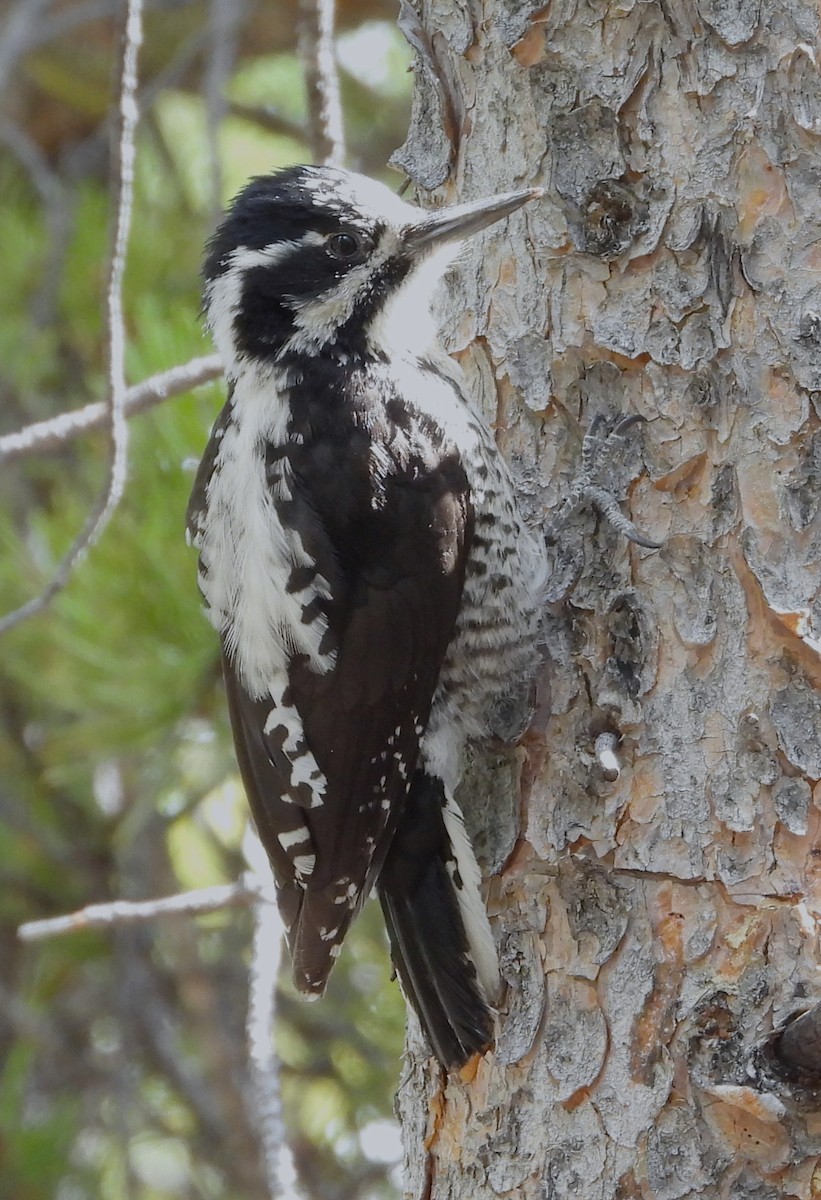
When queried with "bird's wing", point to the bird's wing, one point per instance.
{"points": [[384, 518]]}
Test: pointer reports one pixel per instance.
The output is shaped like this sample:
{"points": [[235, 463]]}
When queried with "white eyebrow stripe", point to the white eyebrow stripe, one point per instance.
{"points": [[245, 257]]}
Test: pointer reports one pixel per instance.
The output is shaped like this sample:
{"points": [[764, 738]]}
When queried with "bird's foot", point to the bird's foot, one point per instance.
{"points": [[602, 442]]}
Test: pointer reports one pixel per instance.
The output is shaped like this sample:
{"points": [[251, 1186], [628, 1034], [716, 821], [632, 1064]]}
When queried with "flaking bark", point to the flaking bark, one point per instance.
{"points": [[658, 928]]}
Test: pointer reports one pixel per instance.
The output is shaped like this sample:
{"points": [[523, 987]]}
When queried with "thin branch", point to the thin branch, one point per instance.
{"points": [[63, 23], [26, 1022], [130, 912], [58, 202], [223, 19], [316, 47], [143, 1004], [30, 156], [255, 889], [118, 456], [124, 200], [52, 434], [174, 71], [266, 1115], [14, 36], [269, 118]]}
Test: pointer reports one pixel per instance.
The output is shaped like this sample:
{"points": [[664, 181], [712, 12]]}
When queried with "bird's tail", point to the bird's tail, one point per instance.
{"points": [[440, 937]]}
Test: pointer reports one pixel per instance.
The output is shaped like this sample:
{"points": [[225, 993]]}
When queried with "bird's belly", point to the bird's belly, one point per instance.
{"points": [[486, 677], [495, 632]]}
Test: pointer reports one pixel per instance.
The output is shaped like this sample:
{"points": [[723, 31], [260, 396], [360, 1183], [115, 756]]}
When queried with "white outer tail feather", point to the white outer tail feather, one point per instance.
{"points": [[471, 904]]}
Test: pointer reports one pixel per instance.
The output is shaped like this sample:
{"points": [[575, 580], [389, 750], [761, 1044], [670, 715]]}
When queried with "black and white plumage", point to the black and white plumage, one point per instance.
{"points": [[365, 565]]}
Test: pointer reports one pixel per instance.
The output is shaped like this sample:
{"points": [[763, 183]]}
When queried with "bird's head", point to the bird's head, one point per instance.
{"points": [[320, 261]]}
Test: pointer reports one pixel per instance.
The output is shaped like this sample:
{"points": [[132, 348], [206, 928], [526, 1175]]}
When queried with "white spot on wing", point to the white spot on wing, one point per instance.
{"points": [[293, 837], [304, 768]]}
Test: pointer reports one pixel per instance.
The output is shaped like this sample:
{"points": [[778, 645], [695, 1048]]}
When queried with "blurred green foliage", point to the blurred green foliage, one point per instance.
{"points": [[122, 1055]]}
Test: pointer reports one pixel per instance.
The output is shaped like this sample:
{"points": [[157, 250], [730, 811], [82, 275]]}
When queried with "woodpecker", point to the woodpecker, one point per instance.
{"points": [[374, 586]]}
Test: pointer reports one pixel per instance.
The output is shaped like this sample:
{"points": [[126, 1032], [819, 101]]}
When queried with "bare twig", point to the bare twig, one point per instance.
{"points": [[52, 434], [316, 46], [223, 19], [14, 35], [58, 204], [124, 199], [63, 23], [118, 457], [144, 1004], [31, 157], [175, 69], [130, 912], [270, 118], [266, 1112], [26, 1022]]}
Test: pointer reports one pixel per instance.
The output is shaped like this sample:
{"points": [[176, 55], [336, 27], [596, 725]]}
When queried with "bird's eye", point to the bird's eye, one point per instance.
{"points": [[344, 245]]}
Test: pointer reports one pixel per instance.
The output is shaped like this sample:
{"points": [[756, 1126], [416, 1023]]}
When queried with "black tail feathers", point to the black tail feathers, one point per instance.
{"points": [[439, 934]]}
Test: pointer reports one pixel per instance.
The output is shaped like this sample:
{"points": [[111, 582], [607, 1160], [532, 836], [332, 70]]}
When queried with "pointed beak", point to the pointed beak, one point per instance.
{"points": [[462, 220]]}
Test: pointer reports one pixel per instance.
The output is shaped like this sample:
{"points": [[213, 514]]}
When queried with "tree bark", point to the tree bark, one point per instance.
{"points": [[656, 919]]}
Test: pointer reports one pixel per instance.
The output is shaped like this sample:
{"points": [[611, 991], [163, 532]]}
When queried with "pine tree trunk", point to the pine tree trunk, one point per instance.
{"points": [[656, 925]]}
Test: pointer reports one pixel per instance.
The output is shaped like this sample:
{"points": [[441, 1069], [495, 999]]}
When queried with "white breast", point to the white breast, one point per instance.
{"points": [[247, 555]]}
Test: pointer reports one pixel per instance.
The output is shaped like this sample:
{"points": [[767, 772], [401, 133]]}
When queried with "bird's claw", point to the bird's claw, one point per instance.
{"points": [[600, 442]]}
